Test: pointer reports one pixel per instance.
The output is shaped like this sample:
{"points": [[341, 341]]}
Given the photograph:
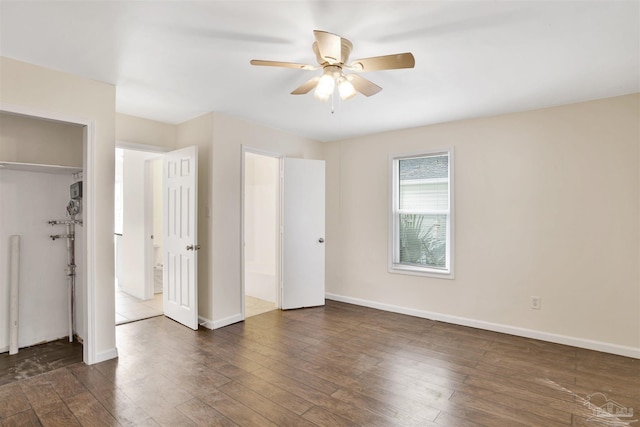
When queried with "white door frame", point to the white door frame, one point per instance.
{"points": [[278, 284], [89, 355]]}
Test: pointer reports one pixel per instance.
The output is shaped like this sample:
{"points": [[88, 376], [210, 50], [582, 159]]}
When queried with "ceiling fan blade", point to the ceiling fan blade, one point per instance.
{"points": [[329, 46], [363, 85], [307, 86], [283, 64], [387, 62]]}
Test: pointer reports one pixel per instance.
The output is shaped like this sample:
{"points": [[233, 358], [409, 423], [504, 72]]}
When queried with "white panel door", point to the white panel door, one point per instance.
{"points": [[303, 233], [180, 257]]}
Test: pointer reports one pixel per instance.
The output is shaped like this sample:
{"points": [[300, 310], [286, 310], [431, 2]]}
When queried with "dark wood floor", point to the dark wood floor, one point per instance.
{"points": [[38, 359], [338, 365]]}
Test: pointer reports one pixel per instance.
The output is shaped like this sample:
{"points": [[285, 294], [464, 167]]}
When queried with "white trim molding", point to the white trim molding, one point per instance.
{"points": [[90, 354], [112, 353], [225, 322], [204, 322], [495, 327], [141, 147]]}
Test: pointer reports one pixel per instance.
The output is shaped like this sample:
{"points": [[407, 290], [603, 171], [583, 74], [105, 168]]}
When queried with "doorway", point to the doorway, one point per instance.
{"points": [[261, 232], [138, 235]]}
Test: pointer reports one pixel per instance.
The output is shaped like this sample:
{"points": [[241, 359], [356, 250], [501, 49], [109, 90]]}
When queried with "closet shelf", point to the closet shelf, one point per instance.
{"points": [[35, 167]]}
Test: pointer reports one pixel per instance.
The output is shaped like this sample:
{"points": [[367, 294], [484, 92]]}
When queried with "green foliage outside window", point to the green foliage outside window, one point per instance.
{"points": [[423, 240]]}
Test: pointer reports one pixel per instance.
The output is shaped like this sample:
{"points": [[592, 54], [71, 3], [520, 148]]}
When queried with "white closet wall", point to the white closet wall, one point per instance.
{"points": [[28, 200]]}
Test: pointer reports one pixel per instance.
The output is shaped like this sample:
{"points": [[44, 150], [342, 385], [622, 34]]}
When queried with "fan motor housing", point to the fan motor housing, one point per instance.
{"points": [[345, 50]]}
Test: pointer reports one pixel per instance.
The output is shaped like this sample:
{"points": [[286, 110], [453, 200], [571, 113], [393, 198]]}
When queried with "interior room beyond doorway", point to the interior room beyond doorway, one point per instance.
{"points": [[261, 237], [138, 235]]}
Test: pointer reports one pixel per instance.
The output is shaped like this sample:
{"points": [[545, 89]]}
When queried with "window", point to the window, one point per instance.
{"points": [[421, 214]]}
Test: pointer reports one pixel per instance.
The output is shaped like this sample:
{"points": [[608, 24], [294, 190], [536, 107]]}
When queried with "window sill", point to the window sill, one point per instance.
{"points": [[418, 271]]}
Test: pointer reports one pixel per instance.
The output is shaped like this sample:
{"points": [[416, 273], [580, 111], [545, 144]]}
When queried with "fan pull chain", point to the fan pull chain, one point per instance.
{"points": [[332, 106]]}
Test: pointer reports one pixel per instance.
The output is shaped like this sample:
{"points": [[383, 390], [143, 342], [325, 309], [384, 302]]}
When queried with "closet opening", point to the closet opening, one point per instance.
{"points": [[43, 244]]}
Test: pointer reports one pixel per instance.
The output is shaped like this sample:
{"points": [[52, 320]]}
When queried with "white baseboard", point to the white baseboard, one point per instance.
{"points": [[207, 323], [495, 327], [112, 353], [227, 321]]}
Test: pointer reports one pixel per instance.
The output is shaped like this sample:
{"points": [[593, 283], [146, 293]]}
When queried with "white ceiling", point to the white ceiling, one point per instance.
{"points": [[175, 60]]}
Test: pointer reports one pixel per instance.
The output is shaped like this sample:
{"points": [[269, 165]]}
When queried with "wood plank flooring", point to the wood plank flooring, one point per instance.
{"points": [[38, 359], [338, 365]]}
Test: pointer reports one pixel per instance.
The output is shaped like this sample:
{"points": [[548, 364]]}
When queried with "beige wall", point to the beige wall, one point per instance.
{"points": [[547, 204], [28, 140], [136, 130], [35, 88]]}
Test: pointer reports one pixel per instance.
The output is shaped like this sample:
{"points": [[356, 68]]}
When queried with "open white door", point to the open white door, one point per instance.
{"points": [[303, 233], [180, 236]]}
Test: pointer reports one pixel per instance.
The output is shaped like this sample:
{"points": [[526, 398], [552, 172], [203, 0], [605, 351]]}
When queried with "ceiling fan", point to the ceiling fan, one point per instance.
{"points": [[332, 53]]}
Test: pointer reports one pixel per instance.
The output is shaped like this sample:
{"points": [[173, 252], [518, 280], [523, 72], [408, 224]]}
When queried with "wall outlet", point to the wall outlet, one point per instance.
{"points": [[536, 303]]}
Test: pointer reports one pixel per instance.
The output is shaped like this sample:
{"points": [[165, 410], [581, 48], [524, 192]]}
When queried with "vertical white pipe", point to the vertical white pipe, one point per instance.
{"points": [[72, 266], [70, 281], [14, 280]]}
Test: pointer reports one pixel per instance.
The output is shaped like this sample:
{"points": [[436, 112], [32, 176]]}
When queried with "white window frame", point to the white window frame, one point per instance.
{"points": [[394, 215]]}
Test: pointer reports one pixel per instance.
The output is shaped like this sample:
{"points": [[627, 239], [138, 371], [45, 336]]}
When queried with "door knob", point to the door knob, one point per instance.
{"points": [[321, 240], [193, 247]]}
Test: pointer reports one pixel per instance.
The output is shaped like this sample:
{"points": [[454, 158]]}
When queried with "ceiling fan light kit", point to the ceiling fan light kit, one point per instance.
{"points": [[332, 53], [345, 88], [325, 87]]}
